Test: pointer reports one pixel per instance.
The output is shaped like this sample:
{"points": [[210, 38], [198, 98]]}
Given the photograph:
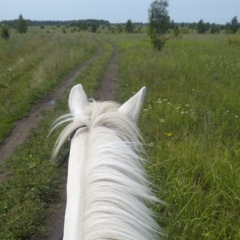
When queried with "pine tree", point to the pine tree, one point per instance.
{"points": [[21, 25], [201, 27], [129, 26], [234, 24]]}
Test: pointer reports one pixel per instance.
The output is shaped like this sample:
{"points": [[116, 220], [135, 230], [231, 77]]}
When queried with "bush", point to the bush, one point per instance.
{"points": [[234, 41], [158, 41], [5, 32]]}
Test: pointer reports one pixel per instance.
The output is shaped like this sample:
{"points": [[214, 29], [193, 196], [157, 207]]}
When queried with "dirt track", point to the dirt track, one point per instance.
{"points": [[106, 91], [22, 127]]}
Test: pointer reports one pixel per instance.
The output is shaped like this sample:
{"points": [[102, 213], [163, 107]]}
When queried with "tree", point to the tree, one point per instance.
{"points": [[159, 23], [119, 28], [214, 29], [5, 32], [234, 24], [201, 27], [129, 26], [21, 25], [93, 27], [172, 24]]}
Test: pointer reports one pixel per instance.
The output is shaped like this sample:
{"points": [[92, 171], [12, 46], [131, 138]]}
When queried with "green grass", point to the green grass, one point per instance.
{"points": [[190, 121], [32, 65], [28, 200], [191, 125]]}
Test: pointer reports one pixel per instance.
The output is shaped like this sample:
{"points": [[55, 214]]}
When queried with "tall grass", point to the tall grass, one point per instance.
{"points": [[32, 195], [32, 65], [191, 123]]}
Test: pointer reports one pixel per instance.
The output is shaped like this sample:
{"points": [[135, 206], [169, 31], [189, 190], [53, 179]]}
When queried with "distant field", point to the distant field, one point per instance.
{"points": [[190, 121]]}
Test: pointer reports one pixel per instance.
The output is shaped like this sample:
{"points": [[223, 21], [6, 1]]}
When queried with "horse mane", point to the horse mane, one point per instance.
{"points": [[116, 188]]}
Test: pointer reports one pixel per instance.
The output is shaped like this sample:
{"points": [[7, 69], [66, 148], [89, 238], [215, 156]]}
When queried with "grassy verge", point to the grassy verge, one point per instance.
{"points": [[30, 197], [191, 125]]}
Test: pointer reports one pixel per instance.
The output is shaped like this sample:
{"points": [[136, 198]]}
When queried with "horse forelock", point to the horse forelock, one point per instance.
{"points": [[96, 114]]}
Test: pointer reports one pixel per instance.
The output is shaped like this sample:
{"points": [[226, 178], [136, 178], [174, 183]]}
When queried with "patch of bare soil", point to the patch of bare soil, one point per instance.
{"points": [[109, 85]]}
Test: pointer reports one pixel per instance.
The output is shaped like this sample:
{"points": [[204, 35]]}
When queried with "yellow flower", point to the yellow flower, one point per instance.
{"points": [[168, 134]]}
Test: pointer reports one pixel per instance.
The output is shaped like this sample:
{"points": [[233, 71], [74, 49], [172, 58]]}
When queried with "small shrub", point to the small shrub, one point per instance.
{"points": [[5, 32], [234, 41], [158, 41]]}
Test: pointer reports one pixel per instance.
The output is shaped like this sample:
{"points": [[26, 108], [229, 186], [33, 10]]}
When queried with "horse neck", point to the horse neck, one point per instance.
{"points": [[106, 189], [74, 208]]}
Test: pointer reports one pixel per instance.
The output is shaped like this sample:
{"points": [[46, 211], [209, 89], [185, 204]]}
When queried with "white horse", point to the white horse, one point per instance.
{"points": [[107, 189]]}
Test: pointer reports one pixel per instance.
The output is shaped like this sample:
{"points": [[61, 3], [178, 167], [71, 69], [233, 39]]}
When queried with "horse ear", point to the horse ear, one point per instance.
{"points": [[133, 106], [77, 99]]}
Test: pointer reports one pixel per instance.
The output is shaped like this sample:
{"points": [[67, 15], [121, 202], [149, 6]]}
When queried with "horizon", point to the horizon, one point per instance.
{"points": [[90, 19], [119, 11]]}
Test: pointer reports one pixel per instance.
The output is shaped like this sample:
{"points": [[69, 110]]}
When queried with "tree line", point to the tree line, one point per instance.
{"points": [[159, 24]]}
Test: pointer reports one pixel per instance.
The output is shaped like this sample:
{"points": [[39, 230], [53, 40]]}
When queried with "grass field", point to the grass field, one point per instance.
{"points": [[30, 197], [32, 65], [190, 121]]}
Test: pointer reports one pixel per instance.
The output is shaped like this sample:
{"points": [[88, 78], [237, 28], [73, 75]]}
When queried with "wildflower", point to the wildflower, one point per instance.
{"points": [[162, 120], [151, 144], [168, 134], [21, 60]]}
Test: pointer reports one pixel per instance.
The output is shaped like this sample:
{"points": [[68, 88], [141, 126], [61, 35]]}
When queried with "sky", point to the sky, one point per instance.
{"points": [[119, 11]]}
